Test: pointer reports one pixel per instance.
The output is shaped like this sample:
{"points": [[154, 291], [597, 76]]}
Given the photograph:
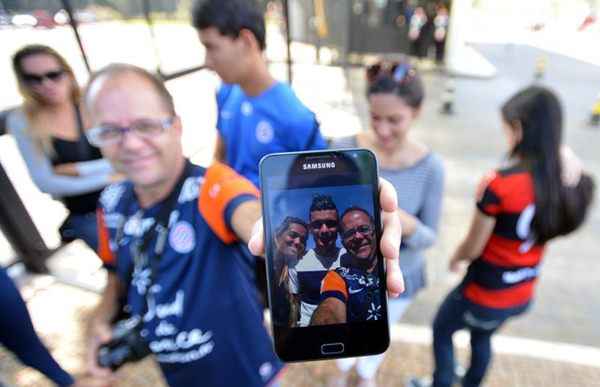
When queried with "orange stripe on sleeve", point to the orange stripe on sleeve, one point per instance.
{"points": [[221, 185], [104, 251], [333, 282]]}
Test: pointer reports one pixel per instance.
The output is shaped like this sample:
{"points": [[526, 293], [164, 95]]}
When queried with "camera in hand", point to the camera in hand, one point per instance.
{"points": [[127, 345]]}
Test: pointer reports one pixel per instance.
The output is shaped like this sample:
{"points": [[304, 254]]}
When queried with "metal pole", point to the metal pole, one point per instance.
{"points": [[288, 39], [150, 22], [67, 6], [19, 229]]}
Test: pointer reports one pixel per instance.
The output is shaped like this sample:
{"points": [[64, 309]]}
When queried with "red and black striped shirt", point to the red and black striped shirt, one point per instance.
{"points": [[505, 273]]}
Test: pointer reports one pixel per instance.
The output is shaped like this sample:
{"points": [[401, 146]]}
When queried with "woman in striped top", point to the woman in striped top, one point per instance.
{"points": [[395, 94]]}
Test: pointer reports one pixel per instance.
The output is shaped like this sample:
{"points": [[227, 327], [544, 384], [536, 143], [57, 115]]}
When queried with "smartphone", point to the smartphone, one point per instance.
{"points": [[325, 273]]}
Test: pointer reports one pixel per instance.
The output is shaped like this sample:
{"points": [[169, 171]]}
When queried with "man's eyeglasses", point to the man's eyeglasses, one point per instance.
{"points": [[363, 230], [104, 135], [330, 223], [38, 79]]}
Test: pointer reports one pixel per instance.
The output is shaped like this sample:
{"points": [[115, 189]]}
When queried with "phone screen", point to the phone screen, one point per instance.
{"points": [[325, 272]]}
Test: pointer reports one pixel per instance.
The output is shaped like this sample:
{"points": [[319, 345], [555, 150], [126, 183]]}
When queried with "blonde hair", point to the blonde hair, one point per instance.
{"points": [[32, 102]]}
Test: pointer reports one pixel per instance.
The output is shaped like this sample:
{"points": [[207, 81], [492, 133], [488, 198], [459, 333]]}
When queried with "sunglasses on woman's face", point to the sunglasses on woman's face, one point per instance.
{"points": [[38, 79]]}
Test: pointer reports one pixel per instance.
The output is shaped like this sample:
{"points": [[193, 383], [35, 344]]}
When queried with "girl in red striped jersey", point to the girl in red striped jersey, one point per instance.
{"points": [[540, 193]]}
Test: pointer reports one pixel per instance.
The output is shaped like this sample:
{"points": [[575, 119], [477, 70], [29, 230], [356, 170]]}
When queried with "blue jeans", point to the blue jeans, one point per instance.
{"points": [[81, 226], [457, 313], [19, 337]]}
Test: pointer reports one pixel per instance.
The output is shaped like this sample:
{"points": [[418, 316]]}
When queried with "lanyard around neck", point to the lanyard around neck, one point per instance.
{"points": [[158, 232]]}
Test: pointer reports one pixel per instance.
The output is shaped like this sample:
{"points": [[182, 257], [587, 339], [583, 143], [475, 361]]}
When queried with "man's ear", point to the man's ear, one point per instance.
{"points": [[177, 127], [247, 37]]}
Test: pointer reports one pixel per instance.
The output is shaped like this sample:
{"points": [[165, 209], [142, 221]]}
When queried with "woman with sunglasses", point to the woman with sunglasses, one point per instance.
{"points": [[395, 94], [49, 132], [537, 194]]}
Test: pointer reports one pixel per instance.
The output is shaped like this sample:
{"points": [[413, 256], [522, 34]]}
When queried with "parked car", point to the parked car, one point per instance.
{"points": [[43, 19], [61, 17], [24, 20]]}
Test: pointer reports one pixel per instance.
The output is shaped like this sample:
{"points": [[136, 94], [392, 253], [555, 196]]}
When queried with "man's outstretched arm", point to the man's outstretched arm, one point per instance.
{"points": [[330, 311]]}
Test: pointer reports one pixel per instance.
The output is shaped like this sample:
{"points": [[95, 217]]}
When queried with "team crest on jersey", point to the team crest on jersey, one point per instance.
{"points": [[264, 132], [182, 238]]}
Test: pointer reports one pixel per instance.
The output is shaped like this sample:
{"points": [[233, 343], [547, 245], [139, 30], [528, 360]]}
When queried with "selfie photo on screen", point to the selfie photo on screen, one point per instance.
{"points": [[324, 256]]}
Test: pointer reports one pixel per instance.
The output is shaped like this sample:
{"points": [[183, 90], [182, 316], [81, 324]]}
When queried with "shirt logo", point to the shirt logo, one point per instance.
{"points": [[526, 273], [181, 237], [111, 195], [189, 190], [246, 108], [265, 371], [354, 291], [374, 312], [264, 132]]}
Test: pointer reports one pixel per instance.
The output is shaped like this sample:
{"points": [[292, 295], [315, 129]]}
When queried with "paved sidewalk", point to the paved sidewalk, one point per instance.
{"points": [[59, 312]]}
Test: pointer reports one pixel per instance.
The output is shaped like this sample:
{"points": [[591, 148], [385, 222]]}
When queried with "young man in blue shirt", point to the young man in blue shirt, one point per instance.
{"points": [[307, 275], [257, 114], [183, 282]]}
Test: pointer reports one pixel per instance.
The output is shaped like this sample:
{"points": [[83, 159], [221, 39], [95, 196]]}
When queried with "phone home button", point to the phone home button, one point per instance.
{"points": [[332, 348]]}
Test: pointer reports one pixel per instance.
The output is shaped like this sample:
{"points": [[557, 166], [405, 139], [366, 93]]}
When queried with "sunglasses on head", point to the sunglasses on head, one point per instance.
{"points": [[330, 223], [398, 71], [37, 79]]}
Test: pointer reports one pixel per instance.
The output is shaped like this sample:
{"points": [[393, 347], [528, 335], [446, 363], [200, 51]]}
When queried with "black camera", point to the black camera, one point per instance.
{"points": [[127, 345]]}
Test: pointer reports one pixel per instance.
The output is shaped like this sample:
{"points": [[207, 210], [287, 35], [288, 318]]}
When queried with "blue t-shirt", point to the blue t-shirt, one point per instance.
{"points": [[274, 121], [203, 322]]}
